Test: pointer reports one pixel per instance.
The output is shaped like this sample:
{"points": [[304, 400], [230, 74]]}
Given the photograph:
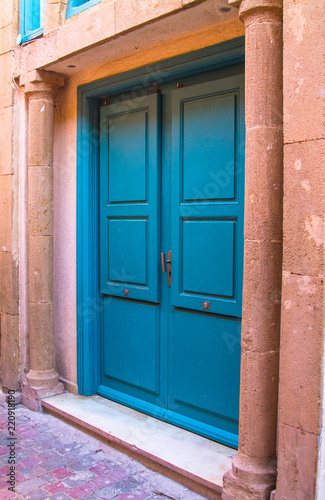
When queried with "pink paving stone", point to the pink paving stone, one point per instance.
{"points": [[82, 490], [4, 471], [103, 481], [118, 474], [19, 467], [31, 461], [3, 485], [28, 433], [61, 472], [45, 455], [6, 495], [32, 472], [100, 469], [54, 488], [134, 495]]}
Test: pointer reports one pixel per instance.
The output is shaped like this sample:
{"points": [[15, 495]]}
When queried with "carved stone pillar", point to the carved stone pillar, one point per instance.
{"points": [[253, 471], [42, 379]]}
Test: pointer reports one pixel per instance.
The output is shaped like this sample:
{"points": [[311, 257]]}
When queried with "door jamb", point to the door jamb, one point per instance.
{"points": [[89, 304]]}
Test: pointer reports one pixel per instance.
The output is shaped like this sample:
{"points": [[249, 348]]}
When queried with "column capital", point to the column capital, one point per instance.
{"points": [[248, 7], [40, 81]]}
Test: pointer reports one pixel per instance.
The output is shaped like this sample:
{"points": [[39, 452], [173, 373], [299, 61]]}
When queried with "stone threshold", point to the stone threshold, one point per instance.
{"points": [[192, 460]]}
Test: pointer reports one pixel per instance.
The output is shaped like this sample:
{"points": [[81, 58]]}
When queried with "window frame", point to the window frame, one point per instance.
{"points": [[72, 10], [24, 16]]}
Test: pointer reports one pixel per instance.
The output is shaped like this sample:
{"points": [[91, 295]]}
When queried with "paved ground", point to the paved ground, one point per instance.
{"points": [[57, 461]]}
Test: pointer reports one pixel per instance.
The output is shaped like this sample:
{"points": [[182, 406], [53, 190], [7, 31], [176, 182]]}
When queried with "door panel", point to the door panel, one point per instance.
{"points": [[129, 198], [131, 346], [205, 370], [207, 145], [207, 196]]}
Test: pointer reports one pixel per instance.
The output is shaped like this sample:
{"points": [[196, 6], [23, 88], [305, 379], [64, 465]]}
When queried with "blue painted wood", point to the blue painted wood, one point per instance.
{"points": [[90, 306], [204, 373], [31, 19], [129, 198], [208, 196], [76, 6], [130, 348]]}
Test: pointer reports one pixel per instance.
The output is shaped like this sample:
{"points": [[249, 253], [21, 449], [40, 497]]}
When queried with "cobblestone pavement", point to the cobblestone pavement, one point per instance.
{"points": [[57, 461]]}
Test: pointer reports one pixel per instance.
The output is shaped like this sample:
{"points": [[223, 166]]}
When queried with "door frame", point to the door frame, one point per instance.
{"points": [[90, 96]]}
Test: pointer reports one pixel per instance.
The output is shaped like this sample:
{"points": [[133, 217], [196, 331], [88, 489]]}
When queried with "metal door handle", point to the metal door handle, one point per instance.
{"points": [[169, 265]]}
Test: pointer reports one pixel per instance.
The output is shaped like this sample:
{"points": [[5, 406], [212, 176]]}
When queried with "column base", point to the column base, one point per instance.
{"points": [[40, 385], [249, 479]]}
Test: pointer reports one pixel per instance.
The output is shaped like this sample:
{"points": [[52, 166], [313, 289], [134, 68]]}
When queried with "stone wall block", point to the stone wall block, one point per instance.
{"points": [[8, 284], [10, 351], [5, 212], [297, 463], [6, 85], [301, 352], [54, 15], [262, 296], [6, 141], [303, 69], [259, 394], [41, 335], [304, 208], [264, 184], [129, 14], [40, 200], [6, 12], [7, 38], [40, 138], [97, 23], [40, 268], [263, 55]]}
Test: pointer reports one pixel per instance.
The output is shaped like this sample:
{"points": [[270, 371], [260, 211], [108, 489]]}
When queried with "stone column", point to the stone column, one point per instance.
{"points": [[253, 473], [42, 380]]}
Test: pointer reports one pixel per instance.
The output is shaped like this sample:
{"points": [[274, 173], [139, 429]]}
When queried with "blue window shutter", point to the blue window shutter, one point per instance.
{"points": [[31, 19], [76, 6]]}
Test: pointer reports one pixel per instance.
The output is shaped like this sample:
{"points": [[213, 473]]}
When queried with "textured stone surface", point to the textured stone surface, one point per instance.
{"points": [[41, 335], [301, 352], [129, 14], [40, 125], [40, 268], [8, 284], [303, 226], [10, 350], [6, 141], [6, 85], [262, 271], [114, 475], [6, 212], [297, 463], [303, 74]]}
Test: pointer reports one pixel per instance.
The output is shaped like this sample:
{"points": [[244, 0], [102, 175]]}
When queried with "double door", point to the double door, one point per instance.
{"points": [[171, 243]]}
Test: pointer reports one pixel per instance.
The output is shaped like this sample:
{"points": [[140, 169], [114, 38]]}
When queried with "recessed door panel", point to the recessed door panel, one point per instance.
{"points": [[129, 198], [127, 157], [131, 346], [205, 369], [127, 251], [208, 147], [208, 257]]}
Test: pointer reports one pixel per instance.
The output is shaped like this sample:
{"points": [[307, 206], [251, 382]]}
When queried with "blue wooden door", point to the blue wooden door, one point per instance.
{"points": [[172, 178]]}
